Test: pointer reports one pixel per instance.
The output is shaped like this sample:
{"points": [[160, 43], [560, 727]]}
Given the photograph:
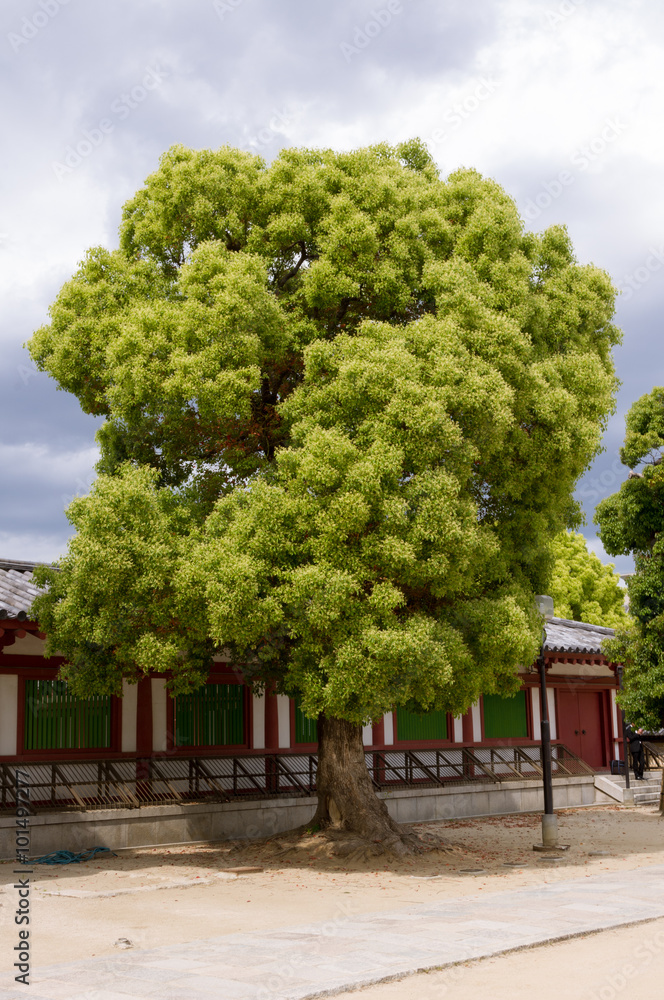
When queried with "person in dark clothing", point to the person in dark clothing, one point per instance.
{"points": [[633, 736]]}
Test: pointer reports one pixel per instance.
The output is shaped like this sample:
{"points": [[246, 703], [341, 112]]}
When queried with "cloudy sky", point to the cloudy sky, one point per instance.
{"points": [[559, 100]]}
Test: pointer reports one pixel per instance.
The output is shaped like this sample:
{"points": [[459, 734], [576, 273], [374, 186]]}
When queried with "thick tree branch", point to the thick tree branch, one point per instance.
{"points": [[293, 271]]}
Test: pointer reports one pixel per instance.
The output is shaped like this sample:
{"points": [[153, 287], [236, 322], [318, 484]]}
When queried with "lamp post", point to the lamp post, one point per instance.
{"points": [[622, 720], [549, 818]]}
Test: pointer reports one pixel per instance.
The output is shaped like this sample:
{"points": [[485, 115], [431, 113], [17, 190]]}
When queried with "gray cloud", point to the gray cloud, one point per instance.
{"points": [[261, 75]]}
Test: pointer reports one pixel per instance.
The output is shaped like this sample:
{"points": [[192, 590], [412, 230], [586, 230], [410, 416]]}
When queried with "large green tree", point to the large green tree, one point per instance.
{"points": [[582, 587], [632, 521], [346, 406]]}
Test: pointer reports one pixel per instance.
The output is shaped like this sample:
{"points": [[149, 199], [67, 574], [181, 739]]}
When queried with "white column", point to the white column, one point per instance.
{"points": [[9, 714], [617, 752], [477, 722], [367, 735], [388, 728], [551, 705], [129, 704], [283, 716], [258, 712], [457, 734], [159, 717], [537, 722]]}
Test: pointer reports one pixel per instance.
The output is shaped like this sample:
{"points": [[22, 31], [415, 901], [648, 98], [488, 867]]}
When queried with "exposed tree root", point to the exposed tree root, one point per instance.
{"points": [[307, 843]]}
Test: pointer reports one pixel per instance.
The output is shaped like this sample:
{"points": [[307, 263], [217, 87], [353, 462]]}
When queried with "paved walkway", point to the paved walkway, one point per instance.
{"points": [[349, 951]]}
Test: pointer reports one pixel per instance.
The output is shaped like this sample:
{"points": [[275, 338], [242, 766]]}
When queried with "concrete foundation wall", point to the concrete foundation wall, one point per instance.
{"points": [[171, 824], [413, 806]]}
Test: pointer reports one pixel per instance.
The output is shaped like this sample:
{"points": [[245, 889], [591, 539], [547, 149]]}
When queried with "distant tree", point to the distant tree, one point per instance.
{"points": [[582, 587], [347, 405], [632, 521]]}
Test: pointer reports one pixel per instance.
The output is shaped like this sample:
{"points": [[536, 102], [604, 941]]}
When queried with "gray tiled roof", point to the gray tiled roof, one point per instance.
{"points": [[565, 636], [17, 591]]}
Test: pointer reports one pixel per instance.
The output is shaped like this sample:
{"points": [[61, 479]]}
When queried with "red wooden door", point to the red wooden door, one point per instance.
{"points": [[569, 726], [592, 735], [580, 725]]}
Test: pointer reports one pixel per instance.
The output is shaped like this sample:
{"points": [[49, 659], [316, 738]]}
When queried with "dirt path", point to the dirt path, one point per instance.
{"points": [[626, 962]]}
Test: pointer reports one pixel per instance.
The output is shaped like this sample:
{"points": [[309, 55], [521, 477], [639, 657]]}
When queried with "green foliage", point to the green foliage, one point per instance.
{"points": [[632, 521], [582, 588], [644, 438], [347, 404], [112, 608]]}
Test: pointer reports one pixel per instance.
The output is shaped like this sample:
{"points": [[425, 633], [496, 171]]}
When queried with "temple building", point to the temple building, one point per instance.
{"points": [[225, 743]]}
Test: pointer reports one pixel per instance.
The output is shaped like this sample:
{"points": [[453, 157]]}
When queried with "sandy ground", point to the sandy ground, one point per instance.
{"points": [[627, 962], [301, 886]]}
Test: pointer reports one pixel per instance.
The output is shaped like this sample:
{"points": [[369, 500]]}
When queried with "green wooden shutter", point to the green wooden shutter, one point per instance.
{"points": [[430, 726], [306, 729], [56, 720], [505, 717], [212, 716]]}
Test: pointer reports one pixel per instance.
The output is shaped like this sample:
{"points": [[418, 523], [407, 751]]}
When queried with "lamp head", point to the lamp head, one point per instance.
{"points": [[544, 605]]}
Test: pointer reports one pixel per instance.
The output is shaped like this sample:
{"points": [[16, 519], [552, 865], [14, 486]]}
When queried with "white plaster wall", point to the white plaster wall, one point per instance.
{"points": [[537, 721], [258, 736], [579, 670], [129, 702], [30, 645], [8, 714], [158, 713], [457, 734], [477, 722], [283, 717], [617, 734], [551, 705], [388, 728], [367, 735]]}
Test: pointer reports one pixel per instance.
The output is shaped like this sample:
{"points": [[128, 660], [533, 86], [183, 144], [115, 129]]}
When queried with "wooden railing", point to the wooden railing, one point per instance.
{"points": [[133, 782]]}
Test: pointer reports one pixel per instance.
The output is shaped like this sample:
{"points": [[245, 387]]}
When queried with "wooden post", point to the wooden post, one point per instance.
{"points": [[271, 739]]}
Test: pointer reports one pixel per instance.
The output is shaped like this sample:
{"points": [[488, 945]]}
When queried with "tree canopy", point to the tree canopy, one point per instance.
{"points": [[582, 587], [347, 403], [632, 522]]}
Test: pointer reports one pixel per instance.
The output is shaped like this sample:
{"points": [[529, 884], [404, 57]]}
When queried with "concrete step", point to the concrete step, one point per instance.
{"points": [[615, 787], [648, 780], [647, 800]]}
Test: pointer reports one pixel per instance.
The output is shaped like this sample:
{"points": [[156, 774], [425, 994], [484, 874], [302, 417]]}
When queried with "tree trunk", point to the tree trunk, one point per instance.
{"points": [[346, 797]]}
